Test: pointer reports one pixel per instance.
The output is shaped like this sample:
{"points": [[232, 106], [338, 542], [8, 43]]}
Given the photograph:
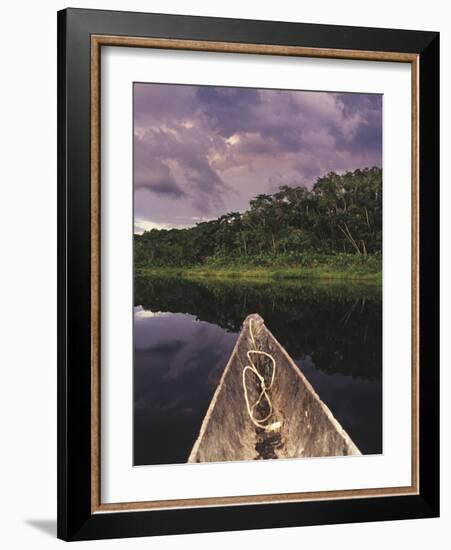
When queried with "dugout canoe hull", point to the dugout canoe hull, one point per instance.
{"points": [[307, 426]]}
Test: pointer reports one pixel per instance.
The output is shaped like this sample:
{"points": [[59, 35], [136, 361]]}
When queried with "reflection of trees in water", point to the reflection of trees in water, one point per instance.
{"points": [[338, 325]]}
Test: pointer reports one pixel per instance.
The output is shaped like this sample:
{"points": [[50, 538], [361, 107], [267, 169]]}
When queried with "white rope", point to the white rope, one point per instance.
{"points": [[264, 389]]}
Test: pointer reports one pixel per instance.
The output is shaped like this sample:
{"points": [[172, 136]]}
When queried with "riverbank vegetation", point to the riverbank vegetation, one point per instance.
{"points": [[333, 230]]}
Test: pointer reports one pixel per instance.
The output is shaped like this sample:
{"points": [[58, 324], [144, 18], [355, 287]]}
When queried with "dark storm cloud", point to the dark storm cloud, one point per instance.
{"points": [[157, 178], [203, 150], [368, 109], [228, 110], [164, 187]]}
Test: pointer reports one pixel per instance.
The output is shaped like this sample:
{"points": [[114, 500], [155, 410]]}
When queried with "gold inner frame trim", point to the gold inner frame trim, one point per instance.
{"points": [[97, 41]]}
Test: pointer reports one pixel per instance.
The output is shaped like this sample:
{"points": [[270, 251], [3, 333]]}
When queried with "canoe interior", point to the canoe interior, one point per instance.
{"points": [[307, 427]]}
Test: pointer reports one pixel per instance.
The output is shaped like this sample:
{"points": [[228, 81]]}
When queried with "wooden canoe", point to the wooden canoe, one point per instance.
{"points": [[302, 425]]}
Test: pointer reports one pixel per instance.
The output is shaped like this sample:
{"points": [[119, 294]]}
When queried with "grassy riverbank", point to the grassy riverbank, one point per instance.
{"points": [[369, 270]]}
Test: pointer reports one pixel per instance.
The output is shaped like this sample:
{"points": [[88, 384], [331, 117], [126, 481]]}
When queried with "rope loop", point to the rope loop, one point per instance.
{"points": [[264, 388]]}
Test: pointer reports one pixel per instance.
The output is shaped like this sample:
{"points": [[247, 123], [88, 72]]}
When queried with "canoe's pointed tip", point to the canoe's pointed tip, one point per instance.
{"points": [[254, 317]]}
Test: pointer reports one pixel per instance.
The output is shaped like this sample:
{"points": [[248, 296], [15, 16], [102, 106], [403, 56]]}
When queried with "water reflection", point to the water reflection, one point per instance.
{"points": [[185, 332]]}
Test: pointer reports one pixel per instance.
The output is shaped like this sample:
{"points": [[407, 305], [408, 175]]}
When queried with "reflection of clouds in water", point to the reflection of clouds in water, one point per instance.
{"points": [[176, 404], [177, 344], [178, 361], [140, 313], [205, 341]]}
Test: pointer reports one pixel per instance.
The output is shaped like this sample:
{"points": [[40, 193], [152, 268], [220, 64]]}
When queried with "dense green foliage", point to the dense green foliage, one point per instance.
{"points": [[340, 217]]}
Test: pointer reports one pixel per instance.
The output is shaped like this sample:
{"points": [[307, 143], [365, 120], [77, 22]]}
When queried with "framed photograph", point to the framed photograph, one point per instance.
{"points": [[248, 274]]}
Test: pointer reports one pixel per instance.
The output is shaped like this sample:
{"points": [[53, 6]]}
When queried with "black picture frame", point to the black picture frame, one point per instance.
{"points": [[76, 520]]}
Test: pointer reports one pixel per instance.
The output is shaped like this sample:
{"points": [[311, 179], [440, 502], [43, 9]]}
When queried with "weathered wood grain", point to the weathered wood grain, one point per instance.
{"points": [[308, 428]]}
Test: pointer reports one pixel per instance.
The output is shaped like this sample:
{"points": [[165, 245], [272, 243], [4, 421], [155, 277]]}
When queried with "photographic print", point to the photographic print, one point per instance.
{"points": [[257, 274]]}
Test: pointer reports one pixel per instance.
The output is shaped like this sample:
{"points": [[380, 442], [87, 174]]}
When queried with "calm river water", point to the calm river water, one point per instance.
{"points": [[184, 332]]}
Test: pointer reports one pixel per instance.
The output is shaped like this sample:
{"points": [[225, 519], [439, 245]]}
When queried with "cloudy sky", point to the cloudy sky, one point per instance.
{"points": [[202, 151]]}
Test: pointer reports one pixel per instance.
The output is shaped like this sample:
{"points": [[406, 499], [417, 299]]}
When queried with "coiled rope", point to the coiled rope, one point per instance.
{"points": [[264, 389]]}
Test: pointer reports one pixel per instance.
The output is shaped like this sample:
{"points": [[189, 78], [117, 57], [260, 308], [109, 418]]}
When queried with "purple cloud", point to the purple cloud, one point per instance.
{"points": [[200, 151]]}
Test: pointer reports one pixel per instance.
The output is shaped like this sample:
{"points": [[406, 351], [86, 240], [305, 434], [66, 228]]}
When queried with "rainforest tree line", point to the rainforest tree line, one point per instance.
{"points": [[340, 215]]}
